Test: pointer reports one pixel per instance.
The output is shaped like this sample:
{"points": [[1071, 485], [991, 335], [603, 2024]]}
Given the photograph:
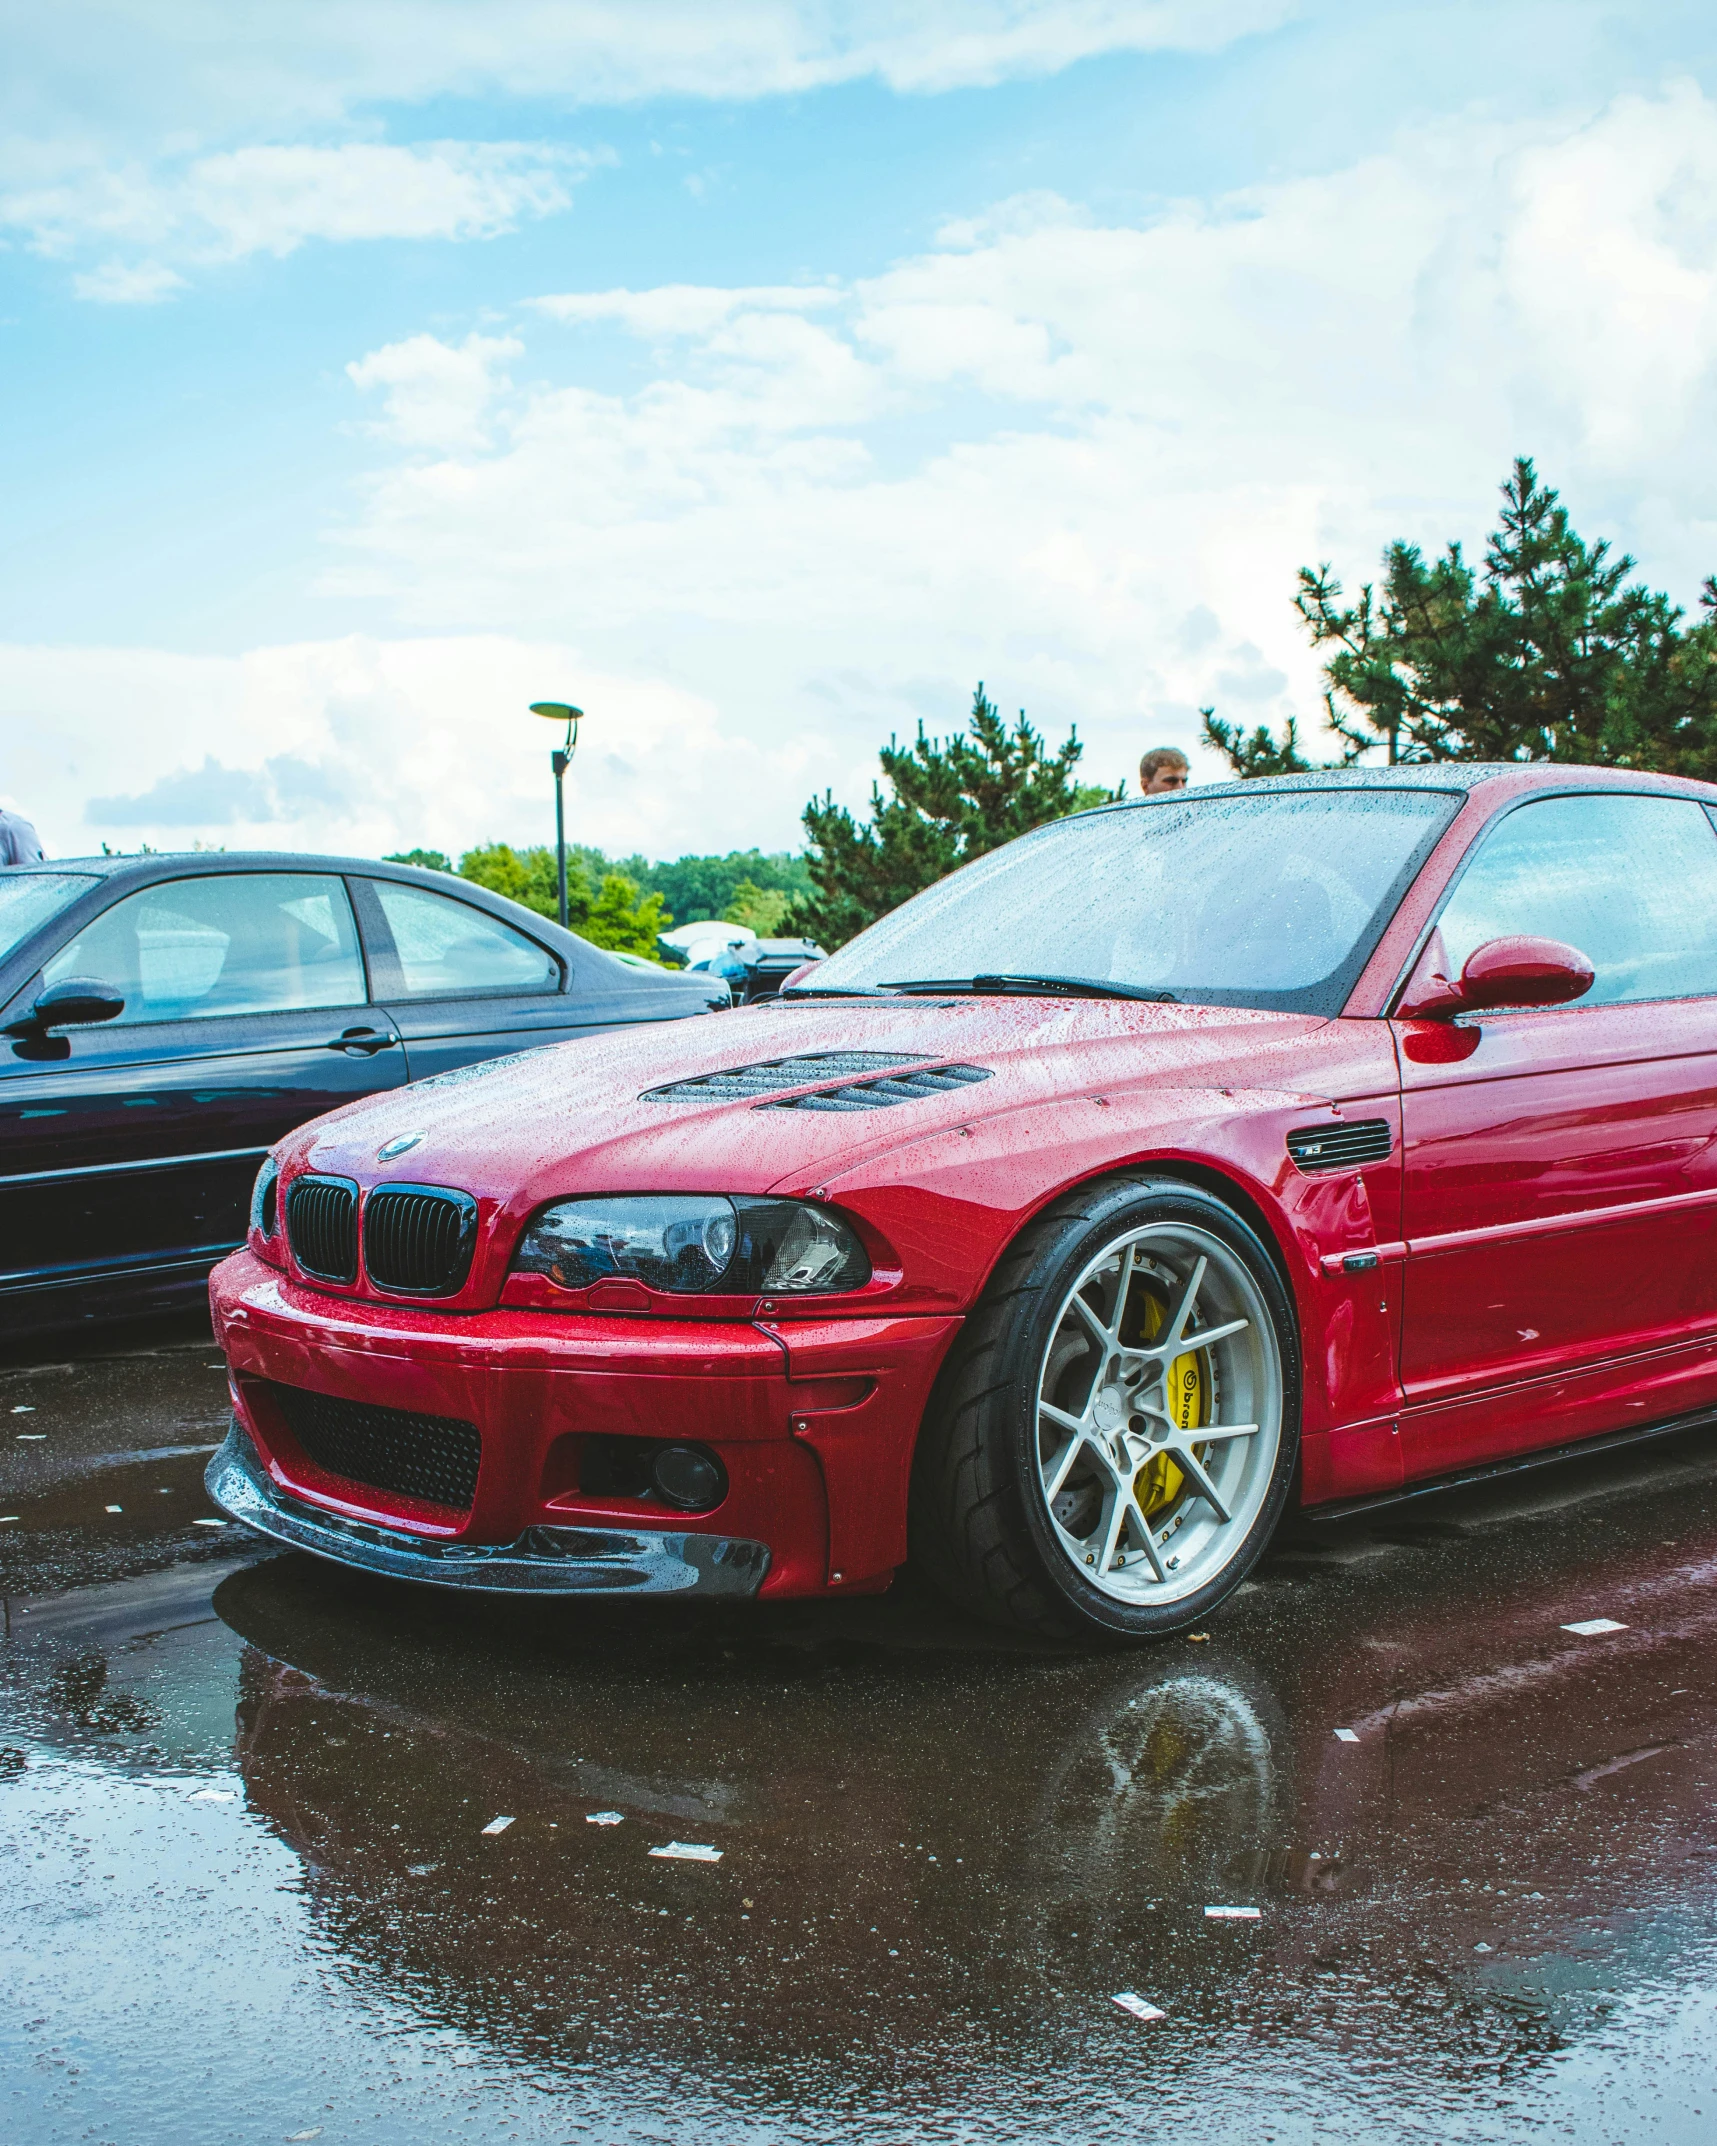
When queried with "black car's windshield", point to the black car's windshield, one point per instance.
{"points": [[29, 899], [1272, 899]]}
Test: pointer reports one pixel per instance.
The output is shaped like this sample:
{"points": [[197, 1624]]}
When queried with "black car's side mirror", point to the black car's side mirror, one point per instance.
{"points": [[71, 1003]]}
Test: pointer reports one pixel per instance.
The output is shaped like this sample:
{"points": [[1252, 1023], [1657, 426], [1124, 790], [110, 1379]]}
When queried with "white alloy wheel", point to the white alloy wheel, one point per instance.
{"points": [[1159, 1413]]}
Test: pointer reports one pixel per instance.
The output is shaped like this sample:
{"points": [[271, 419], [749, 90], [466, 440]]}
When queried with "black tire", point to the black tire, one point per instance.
{"points": [[982, 1528]]}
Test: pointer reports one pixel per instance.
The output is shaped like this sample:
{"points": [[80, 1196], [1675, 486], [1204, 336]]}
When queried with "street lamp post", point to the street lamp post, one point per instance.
{"points": [[560, 711]]}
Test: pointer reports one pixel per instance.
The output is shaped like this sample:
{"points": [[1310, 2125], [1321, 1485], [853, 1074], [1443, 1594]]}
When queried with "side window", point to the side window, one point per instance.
{"points": [[449, 948], [1630, 881], [244, 942]]}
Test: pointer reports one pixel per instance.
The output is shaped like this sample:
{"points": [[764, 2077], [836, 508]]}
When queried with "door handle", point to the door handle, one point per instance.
{"points": [[363, 1042]]}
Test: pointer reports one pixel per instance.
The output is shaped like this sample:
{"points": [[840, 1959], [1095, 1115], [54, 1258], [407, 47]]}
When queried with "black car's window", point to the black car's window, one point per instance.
{"points": [[232, 943], [29, 899], [448, 947], [1630, 881], [1269, 899]]}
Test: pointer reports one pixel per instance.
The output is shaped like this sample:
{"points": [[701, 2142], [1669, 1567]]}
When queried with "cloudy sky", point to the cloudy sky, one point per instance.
{"points": [[762, 375]]}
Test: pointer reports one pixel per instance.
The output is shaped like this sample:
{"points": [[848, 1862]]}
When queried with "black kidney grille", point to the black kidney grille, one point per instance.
{"points": [[1341, 1147], [322, 1227], [772, 1075], [415, 1456], [418, 1239], [879, 1094]]}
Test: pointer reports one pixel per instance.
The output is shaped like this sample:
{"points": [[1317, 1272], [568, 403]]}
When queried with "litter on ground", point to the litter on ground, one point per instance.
{"points": [[1590, 1627], [497, 1825], [25, 1408], [604, 1818], [208, 1523], [7, 1518], [1347, 1736], [29, 1438], [1233, 1914], [116, 1508], [688, 1851], [1140, 2009]]}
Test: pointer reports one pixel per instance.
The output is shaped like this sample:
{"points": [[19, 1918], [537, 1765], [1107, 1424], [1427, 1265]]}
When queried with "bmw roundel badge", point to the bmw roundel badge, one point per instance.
{"points": [[398, 1145]]}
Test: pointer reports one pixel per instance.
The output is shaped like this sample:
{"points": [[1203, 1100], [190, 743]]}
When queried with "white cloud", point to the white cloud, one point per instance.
{"points": [[682, 309], [1078, 458], [437, 395], [208, 67], [118, 283], [359, 746], [274, 198], [179, 129], [1037, 452]]}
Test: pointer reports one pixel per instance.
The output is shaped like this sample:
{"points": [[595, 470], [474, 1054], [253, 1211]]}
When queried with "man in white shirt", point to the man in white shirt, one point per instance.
{"points": [[19, 841]]}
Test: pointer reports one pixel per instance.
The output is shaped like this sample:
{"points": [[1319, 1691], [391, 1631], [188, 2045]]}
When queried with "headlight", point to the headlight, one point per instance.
{"points": [[694, 1244], [265, 1199]]}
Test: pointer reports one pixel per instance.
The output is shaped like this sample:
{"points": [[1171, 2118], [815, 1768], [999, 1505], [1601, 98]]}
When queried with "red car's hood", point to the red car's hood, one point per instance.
{"points": [[577, 1117]]}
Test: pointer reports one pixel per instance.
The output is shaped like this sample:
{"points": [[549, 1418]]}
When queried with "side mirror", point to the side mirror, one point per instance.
{"points": [[1503, 972], [69, 1004]]}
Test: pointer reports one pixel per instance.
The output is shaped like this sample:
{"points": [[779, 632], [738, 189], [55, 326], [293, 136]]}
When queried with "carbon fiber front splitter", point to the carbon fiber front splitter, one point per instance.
{"points": [[543, 1560]]}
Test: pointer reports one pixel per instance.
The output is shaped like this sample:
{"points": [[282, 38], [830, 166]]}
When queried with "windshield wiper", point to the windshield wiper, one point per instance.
{"points": [[836, 991], [1036, 987]]}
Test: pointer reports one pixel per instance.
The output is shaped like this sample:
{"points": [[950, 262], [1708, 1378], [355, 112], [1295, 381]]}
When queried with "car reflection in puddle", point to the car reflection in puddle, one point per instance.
{"points": [[942, 1853]]}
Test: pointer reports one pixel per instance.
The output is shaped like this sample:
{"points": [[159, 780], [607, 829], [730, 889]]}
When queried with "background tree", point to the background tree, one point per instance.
{"points": [[429, 860], [1550, 653], [613, 915], [948, 801], [762, 908]]}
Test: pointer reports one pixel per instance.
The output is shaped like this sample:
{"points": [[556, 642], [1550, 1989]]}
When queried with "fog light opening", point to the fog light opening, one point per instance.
{"points": [[688, 1479]]}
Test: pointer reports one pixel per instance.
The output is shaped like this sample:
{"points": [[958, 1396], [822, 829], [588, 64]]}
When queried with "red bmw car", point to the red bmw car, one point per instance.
{"points": [[1334, 1135]]}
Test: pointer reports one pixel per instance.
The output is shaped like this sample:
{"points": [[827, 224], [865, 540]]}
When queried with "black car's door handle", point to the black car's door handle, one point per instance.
{"points": [[363, 1042]]}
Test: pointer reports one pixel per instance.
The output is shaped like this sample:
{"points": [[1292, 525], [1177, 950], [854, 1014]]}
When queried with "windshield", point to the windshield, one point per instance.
{"points": [[29, 899], [1274, 899]]}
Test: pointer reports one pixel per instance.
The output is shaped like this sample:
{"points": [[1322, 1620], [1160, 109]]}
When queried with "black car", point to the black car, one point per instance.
{"points": [[167, 1018]]}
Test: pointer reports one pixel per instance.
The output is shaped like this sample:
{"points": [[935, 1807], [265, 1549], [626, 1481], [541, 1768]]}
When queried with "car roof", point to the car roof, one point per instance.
{"points": [[183, 863], [1455, 777]]}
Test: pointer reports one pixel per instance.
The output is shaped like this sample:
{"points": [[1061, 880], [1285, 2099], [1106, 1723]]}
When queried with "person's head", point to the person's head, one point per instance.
{"points": [[1163, 771]]}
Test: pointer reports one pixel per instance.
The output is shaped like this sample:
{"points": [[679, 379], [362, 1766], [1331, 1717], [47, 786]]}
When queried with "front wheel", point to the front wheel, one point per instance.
{"points": [[1113, 1439]]}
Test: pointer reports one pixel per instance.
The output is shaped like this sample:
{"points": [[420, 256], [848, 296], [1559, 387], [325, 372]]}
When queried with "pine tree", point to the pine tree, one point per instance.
{"points": [[1552, 653], [948, 800]]}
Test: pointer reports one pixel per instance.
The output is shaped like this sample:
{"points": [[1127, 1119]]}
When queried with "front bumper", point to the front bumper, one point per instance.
{"points": [[543, 1561]]}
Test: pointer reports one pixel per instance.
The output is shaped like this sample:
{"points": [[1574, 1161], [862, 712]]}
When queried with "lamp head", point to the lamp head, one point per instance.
{"points": [[557, 711]]}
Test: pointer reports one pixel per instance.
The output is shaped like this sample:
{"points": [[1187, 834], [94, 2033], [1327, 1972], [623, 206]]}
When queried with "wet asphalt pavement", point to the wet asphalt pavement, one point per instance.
{"points": [[254, 1889]]}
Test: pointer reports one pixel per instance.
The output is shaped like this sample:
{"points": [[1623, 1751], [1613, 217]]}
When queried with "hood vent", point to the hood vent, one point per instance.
{"points": [[773, 1076], [879, 1094], [1341, 1147]]}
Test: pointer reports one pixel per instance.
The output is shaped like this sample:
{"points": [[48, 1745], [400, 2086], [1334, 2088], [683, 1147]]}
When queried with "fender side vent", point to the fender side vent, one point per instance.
{"points": [[773, 1076], [879, 1094], [1341, 1147]]}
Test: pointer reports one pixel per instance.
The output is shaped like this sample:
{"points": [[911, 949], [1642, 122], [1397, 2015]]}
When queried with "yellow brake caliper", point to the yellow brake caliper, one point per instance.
{"points": [[1158, 1482]]}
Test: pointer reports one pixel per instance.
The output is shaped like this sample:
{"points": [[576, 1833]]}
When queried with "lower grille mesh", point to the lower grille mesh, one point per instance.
{"points": [[397, 1449]]}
